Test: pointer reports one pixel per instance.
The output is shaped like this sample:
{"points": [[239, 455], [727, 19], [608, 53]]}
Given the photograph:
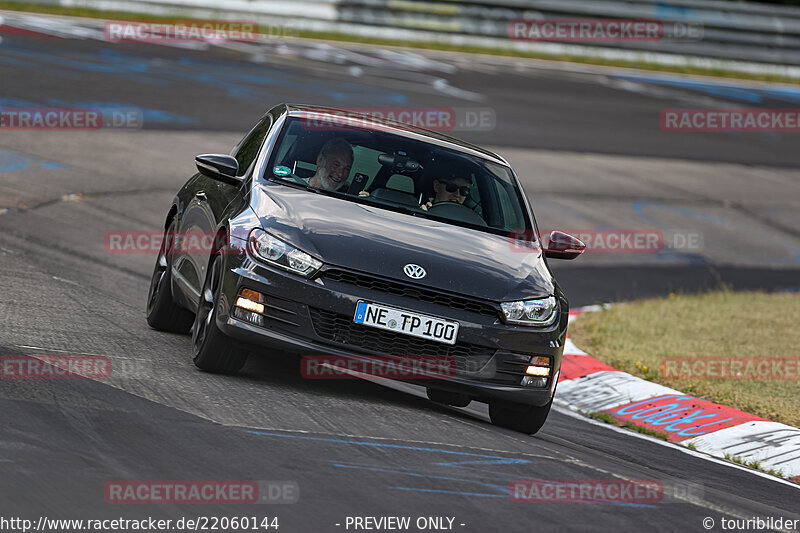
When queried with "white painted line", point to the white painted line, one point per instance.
{"points": [[40, 348], [56, 350], [571, 349]]}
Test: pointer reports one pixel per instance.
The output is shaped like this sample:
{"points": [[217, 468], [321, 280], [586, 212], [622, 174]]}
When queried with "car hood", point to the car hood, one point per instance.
{"points": [[378, 241]]}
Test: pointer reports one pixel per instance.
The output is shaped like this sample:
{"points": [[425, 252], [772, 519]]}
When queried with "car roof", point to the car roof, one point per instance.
{"points": [[366, 120]]}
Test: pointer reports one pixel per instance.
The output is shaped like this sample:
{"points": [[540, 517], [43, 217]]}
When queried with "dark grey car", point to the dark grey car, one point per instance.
{"points": [[375, 267]]}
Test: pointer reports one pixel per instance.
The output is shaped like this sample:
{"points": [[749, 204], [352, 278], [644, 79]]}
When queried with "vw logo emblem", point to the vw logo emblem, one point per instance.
{"points": [[414, 271]]}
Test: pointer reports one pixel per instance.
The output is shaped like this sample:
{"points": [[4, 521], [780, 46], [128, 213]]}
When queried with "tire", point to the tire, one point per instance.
{"points": [[163, 313], [527, 419], [213, 350], [448, 398]]}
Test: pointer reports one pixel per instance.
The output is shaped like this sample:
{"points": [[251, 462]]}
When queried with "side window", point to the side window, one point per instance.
{"points": [[246, 151], [510, 215]]}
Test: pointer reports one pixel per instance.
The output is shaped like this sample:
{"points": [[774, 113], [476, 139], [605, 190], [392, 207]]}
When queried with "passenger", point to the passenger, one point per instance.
{"points": [[333, 165]]}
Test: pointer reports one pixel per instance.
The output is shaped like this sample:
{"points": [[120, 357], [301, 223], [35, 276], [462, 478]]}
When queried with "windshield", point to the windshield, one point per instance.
{"points": [[397, 173]]}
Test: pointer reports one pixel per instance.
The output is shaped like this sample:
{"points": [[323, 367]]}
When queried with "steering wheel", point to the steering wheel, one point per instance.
{"points": [[457, 211]]}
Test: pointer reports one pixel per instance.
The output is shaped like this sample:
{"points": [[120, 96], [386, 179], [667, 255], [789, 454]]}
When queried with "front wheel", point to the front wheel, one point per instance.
{"points": [[213, 350], [519, 417]]}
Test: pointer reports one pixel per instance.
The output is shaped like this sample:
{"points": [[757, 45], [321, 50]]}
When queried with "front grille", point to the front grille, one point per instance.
{"points": [[417, 293], [341, 329]]}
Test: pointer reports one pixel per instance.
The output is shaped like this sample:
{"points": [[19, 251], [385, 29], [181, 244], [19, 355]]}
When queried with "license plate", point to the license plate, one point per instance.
{"points": [[407, 322]]}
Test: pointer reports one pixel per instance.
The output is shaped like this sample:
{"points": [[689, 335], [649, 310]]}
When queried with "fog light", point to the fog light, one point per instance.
{"points": [[541, 371], [538, 366], [251, 300], [250, 305]]}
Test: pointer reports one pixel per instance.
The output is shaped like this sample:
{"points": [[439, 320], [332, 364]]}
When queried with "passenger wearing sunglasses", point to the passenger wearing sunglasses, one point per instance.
{"points": [[451, 189]]}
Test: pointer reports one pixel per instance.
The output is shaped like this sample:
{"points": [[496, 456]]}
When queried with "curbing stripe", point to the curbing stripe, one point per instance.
{"points": [[680, 416], [589, 385], [605, 390], [574, 366], [771, 444]]}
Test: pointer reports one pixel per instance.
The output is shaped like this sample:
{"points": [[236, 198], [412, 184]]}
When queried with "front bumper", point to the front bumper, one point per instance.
{"points": [[314, 317]]}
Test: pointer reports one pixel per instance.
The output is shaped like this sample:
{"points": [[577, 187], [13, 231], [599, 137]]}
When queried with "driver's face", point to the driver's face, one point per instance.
{"points": [[443, 195], [333, 170]]}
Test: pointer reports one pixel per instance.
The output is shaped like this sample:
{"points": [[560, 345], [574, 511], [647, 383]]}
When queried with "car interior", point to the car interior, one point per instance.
{"points": [[399, 172]]}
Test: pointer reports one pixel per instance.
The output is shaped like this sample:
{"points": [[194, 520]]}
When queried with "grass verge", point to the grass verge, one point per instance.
{"points": [[608, 419], [637, 336], [754, 464], [428, 45]]}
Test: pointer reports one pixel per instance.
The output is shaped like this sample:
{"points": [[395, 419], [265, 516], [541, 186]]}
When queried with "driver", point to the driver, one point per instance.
{"points": [[333, 165], [454, 188]]}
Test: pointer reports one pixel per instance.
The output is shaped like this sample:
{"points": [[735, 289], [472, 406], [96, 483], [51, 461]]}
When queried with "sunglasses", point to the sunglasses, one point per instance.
{"points": [[463, 190]]}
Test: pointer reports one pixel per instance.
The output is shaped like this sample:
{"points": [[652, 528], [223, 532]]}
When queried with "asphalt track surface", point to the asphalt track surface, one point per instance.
{"points": [[590, 155]]}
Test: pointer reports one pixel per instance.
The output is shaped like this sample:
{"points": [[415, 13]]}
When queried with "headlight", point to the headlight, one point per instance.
{"points": [[276, 252], [531, 312]]}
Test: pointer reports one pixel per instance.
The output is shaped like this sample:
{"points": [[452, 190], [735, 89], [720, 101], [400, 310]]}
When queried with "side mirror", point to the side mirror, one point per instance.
{"points": [[563, 246], [219, 167]]}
